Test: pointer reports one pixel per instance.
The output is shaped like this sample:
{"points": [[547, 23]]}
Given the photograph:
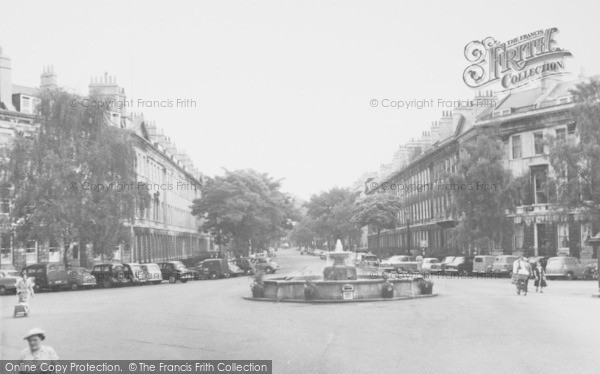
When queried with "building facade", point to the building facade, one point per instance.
{"points": [[525, 119], [165, 231]]}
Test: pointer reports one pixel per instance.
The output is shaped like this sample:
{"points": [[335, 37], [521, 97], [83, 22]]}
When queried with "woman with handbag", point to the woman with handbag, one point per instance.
{"points": [[540, 276], [521, 271]]}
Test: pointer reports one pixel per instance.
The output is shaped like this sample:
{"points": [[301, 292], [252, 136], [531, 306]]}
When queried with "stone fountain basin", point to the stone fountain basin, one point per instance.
{"points": [[365, 288]]}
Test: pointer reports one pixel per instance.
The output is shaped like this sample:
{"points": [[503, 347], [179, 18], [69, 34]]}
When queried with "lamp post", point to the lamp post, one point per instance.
{"points": [[407, 218]]}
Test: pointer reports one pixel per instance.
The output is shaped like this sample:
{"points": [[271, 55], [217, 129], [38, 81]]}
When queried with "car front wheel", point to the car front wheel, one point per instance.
{"points": [[2, 290], [212, 275], [570, 276], [172, 279], [74, 287]]}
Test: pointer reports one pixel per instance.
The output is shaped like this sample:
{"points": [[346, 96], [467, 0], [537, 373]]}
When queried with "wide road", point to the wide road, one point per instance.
{"points": [[473, 325]]}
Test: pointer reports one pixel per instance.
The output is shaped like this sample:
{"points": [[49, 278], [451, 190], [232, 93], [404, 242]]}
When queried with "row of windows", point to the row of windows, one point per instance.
{"points": [[538, 142], [174, 216]]}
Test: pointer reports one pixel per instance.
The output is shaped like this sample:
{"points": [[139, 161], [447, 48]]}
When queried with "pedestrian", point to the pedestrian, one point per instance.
{"points": [[37, 351], [25, 292], [522, 270], [540, 276]]}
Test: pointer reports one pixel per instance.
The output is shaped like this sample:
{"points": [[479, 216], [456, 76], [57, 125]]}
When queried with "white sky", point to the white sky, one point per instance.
{"points": [[282, 86]]}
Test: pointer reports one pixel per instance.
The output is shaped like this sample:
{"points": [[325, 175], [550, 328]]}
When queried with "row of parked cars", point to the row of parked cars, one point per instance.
{"points": [[556, 267], [54, 276]]}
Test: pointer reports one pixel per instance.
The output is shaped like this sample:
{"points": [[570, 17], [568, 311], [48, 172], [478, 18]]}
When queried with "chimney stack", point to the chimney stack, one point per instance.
{"points": [[5, 82], [48, 79]]}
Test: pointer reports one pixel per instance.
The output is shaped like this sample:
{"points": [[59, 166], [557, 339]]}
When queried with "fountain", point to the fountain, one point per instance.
{"points": [[341, 282]]}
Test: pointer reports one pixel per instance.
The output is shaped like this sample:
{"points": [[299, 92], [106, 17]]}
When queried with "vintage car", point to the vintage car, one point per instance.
{"points": [[400, 263], [483, 264], [462, 265], [265, 264], [445, 262], [48, 276], [8, 281], [503, 265], [245, 265], [366, 259], [109, 275], [174, 271], [430, 265], [152, 273], [565, 267], [134, 274], [216, 268], [80, 278]]}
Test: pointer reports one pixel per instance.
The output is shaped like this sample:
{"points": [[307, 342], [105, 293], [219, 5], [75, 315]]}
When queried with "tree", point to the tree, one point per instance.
{"points": [[245, 207], [483, 190], [331, 214], [378, 211], [576, 161], [66, 177], [304, 233]]}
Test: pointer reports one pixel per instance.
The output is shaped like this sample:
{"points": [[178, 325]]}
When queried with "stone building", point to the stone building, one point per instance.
{"points": [[525, 119], [167, 230]]}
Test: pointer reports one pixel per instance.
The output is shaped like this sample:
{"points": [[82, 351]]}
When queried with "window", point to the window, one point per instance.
{"points": [[519, 236], [31, 246], [516, 147], [538, 143], [561, 134], [563, 235], [539, 185]]}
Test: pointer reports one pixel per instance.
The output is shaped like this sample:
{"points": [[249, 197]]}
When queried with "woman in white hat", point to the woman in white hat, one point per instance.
{"points": [[37, 350]]}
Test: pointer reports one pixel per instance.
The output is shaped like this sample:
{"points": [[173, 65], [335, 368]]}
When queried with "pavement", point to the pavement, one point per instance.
{"points": [[472, 325]]}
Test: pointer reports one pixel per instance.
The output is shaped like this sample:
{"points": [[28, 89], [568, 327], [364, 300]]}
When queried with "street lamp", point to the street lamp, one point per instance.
{"points": [[407, 218]]}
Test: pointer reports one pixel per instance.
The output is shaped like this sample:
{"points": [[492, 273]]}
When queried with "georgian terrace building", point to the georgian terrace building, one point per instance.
{"points": [[525, 118], [165, 231]]}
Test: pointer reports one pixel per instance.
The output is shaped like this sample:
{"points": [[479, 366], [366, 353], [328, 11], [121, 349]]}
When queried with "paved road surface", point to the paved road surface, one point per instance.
{"points": [[473, 325]]}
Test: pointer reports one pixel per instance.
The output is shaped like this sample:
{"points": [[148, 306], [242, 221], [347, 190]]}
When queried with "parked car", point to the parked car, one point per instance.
{"points": [[445, 262], [565, 267], [81, 278], [245, 265], [483, 264], [134, 274], [265, 265], [48, 276], [430, 265], [152, 273], [366, 259], [109, 275], [234, 270], [8, 281], [503, 265], [214, 268], [462, 265], [174, 271], [400, 263]]}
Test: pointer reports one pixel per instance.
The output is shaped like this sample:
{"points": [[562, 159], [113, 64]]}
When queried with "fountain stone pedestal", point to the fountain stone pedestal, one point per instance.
{"points": [[338, 266]]}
